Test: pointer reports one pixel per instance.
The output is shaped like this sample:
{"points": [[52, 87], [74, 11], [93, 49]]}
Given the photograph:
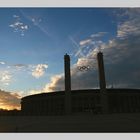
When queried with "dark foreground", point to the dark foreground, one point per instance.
{"points": [[77, 123]]}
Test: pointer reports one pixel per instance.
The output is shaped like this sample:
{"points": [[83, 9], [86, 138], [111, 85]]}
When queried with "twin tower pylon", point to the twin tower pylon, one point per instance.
{"points": [[67, 84], [102, 83]]}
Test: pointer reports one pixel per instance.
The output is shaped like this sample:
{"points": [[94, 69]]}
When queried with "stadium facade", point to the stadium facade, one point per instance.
{"points": [[89, 101]]}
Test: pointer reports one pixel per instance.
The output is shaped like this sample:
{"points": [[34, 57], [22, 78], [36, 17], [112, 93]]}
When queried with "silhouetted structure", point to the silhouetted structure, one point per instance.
{"points": [[67, 84], [82, 102], [4, 112], [102, 82], [92, 101]]}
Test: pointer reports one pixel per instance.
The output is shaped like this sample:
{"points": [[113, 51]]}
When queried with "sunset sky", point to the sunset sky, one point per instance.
{"points": [[33, 42]]}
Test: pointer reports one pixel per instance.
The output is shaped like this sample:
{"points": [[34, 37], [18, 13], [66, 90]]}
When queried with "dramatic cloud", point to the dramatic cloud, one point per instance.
{"points": [[131, 26], [39, 70], [18, 25], [9, 100], [56, 84], [121, 58]]}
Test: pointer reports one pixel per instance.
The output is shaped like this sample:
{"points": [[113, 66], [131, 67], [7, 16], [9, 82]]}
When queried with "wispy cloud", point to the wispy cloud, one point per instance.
{"points": [[5, 77], [85, 46], [39, 70], [18, 25], [2, 63], [77, 47], [98, 35], [16, 16], [35, 70], [91, 40], [20, 67], [85, 42], [36, 21]]}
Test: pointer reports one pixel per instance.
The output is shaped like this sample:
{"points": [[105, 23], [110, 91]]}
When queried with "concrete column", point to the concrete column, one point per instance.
{"points": [[102, 83], [67, 84]]}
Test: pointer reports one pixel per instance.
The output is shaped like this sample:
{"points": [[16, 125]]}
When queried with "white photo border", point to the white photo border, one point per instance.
{"points": [[69, 3]]}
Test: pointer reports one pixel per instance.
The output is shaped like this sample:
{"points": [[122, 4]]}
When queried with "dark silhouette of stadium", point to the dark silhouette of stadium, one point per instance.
{"points": [[89, 101]]}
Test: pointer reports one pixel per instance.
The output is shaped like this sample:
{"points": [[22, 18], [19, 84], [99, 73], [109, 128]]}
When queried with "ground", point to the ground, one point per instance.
{"points": [[73, 123]]}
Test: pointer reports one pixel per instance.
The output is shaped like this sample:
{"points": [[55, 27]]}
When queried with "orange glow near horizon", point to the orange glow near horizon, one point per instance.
{"points": [[7, 107]]}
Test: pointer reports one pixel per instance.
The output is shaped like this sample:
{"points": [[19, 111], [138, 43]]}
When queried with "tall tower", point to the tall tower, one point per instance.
{"points": [[67, 84], [102, 83]]}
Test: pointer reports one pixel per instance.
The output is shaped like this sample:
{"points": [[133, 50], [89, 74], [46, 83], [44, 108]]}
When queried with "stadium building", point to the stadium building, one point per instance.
{"points": [[89, 101]]}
